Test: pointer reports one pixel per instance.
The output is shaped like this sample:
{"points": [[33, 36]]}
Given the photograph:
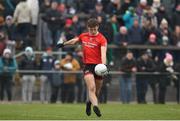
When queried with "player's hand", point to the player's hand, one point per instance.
{"points": [[107, 69], [60, 43]]}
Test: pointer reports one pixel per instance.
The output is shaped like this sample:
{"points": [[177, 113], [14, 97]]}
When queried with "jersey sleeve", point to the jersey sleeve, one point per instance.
{"points": [[103, 41]]}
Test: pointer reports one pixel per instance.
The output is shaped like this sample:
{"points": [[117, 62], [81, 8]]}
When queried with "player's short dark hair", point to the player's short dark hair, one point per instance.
{"points": [[92, 22]]}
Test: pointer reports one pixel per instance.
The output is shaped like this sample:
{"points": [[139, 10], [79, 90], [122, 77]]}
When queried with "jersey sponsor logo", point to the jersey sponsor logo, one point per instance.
{"points": [[89, 44]]}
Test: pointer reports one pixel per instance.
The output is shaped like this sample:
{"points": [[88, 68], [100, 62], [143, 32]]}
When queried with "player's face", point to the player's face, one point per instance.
{"points": [[93, 31]]}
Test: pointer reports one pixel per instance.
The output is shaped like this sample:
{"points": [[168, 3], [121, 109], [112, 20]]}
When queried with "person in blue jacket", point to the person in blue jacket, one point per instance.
{"points": [[8, 68]]}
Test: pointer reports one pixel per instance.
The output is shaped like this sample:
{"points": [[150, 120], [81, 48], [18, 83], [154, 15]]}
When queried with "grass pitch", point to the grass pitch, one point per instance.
{"points": [[77, 111]]}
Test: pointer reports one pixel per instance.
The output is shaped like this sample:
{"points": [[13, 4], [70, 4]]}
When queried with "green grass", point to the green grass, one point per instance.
{"points": [[77, 111]]}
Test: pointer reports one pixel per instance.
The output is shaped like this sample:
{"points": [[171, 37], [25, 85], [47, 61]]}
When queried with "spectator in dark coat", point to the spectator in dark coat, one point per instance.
{"points": [[135, 33], [128, 66], [10, 28], [56, 81], [167, 67], [8, 67], [98, 11], [122, 37], [46, 64], [176, 17], [28, 62], [162, 14], [55, 22], [144, 64]]}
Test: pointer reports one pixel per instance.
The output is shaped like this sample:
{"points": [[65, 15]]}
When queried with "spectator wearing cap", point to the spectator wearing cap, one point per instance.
{"points": [[56, 81], [46, 64], [144, 64], [128, 67], [23, 18], [69, 63], [10, 28], [28, 62], [167, 67], [8, 68]]}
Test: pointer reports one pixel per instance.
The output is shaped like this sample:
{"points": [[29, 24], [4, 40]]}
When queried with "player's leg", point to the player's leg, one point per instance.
{"points": [[91, 89], [98, 83]]}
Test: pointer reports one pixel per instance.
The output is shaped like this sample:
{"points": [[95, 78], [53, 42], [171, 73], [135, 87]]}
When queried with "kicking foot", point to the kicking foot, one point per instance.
{"points": [[97, 111]]}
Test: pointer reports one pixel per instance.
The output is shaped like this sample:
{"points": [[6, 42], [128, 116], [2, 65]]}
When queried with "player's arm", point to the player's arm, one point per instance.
{"points": [[62, 43], [103, 54]]}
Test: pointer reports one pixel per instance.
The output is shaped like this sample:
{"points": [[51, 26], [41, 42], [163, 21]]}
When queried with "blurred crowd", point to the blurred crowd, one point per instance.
{"points": [[123, 23]]}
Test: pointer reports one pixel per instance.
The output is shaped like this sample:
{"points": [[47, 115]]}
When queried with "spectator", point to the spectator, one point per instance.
{"points": [[23, 18], [2, 42], [149, 16], [9, 6], [128, 66], [8, 67], [128, 17], [46, 64], [144, 64], [88, 6], [55, 22], [56, 82], [28, 79], [98, 11], [113, 7], [141, 8], [162, 14], [77, 27], [34, 8], [125, 6], [122, 37], [152, 40], [176, 36], [167, 66], [176, 17], [69, 63], [1, 23], [165, 33], [149, 29], [135, 33], [2, 8], [10, 28], [156, 5], [46, 4]]}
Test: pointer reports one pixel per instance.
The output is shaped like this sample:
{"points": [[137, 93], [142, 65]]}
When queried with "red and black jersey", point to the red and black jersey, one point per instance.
{"points": [[91, 45]]}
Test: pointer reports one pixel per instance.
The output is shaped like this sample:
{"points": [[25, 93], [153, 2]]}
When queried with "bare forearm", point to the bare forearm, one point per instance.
{"points": [[103, 54]]}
